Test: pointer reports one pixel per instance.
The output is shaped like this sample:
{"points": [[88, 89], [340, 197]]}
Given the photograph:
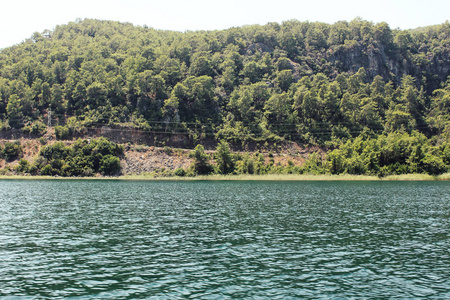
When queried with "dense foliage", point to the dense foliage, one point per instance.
{"points": [[299, 81], [82, 158], [310, 82], [368, 154], [396, 153], [10, 151]]}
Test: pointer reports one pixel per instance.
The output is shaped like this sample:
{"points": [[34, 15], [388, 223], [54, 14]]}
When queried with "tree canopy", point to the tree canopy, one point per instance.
{"points": [[301, 81]]}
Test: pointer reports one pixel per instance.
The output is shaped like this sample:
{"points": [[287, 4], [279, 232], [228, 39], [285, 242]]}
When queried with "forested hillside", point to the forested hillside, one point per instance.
{"points": [[312, 83]]}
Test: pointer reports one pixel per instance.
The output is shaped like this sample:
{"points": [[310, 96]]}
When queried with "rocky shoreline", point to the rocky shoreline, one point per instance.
{"points": [[143, 159]]}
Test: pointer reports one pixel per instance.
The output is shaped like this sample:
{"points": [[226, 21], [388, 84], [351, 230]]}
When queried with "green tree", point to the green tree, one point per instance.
{"points": [[23, 166], [399, 119], [109, 165], [277, 112], [58, 103], [78, 96], [315, 37], [383, 33], [14, 111], [96, 94], [224, 158], [45, 96], [284, 80], [253, 71], [201, 164], [201, 66], [11, 151]]}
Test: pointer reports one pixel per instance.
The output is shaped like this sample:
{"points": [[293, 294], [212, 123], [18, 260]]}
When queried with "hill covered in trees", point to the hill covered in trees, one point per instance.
{"points": [[311, 83]]}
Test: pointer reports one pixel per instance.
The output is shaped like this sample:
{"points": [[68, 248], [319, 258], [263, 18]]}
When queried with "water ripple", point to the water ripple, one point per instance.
{"points": [[222, 240]]}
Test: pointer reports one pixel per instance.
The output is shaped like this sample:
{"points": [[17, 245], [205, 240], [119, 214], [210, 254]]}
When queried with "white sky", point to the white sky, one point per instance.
{"points": [[20, 18]]}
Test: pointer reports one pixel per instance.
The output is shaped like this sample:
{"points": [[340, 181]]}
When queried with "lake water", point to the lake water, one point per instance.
{"points": [[223, 240]]}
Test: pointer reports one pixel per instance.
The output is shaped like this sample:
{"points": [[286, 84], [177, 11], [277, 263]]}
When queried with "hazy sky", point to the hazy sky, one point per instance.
{"points": [[20, 18]]}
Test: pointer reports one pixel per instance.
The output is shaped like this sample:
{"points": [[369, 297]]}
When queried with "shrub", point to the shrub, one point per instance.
{"points": [[56, 151], [88, 172], [11, 151], [224, 158], [201, 162], [109, 165], [4, 125], [180, 172], [246, 165], [23, 166], [4, 171], [62, 132], [83, 158], [313, 164], [33, 169], [47, 170], [433, 165], [37, 128], [43, 141], [168, 150], [57, 164]]}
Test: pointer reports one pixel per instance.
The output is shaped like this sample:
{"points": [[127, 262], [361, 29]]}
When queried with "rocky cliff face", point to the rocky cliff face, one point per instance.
{"points": [[429, 69], [374, 60]]}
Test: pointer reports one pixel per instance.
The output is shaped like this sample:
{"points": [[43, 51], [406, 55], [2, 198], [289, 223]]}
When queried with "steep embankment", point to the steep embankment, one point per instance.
{"points": [[138, 159]]}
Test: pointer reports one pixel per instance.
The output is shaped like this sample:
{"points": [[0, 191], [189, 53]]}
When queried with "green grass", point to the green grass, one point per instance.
{"points": [[266, 177], [445, 176], [410, 177], [286, 177], [294, 177], [42, 177]]}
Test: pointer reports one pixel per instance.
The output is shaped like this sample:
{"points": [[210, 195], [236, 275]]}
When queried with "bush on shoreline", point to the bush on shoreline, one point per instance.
{"points": [[396, 153], [83, 158]]}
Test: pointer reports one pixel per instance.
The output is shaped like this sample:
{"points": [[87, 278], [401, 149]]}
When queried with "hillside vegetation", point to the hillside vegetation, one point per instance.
{"points": [[379, 98]]}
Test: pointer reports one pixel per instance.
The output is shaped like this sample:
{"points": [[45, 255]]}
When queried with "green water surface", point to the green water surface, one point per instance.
{"points": [[223, 240]]}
